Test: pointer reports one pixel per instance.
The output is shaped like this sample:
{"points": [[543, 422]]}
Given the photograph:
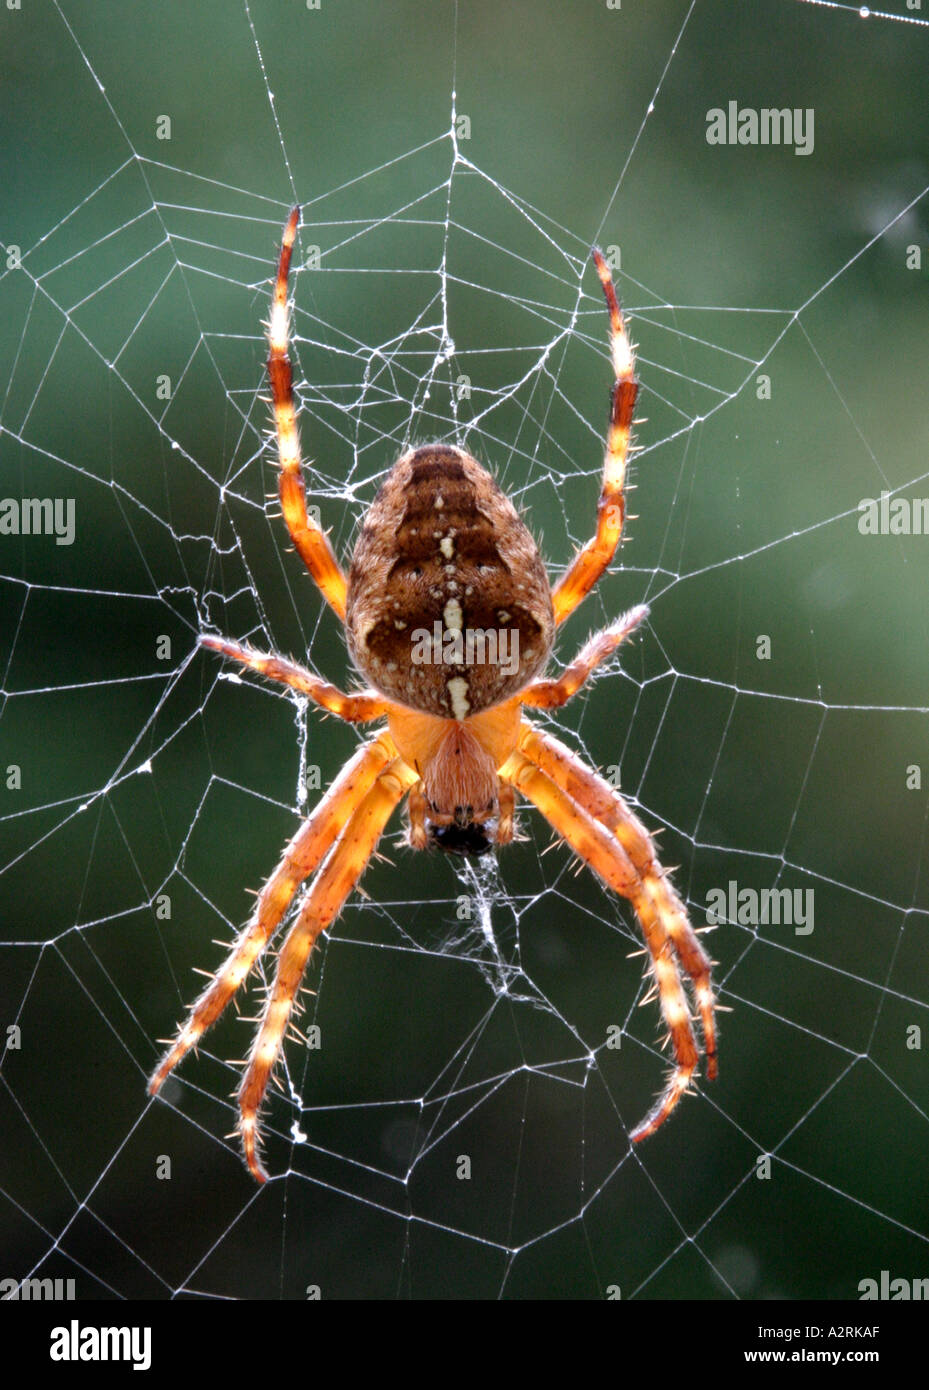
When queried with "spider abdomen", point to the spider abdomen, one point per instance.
{"points": [[449, 607]]}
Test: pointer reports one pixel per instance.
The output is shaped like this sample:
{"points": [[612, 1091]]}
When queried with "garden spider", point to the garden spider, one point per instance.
{"points": [[443, 559]]}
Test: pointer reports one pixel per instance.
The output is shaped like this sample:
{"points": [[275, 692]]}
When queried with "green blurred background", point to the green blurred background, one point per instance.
{"points": [[146, 256]]}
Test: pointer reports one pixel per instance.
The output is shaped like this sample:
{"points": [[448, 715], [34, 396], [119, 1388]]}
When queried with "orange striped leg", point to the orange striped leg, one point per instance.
{"points": [[336, 880], [602, 802], [599, 848], [354, 709], [301, 858], [592, 560], [551, 694], [312, 543]]}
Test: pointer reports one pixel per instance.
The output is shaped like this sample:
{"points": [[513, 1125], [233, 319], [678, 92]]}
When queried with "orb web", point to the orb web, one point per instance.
{"points": [[454, 1114]]}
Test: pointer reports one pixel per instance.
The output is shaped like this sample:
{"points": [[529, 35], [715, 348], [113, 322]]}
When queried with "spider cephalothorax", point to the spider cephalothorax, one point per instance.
{"points": [[450, 616]]}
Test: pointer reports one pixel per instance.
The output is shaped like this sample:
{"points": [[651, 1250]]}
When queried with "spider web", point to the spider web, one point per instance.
{"points": [[462, 1128]]}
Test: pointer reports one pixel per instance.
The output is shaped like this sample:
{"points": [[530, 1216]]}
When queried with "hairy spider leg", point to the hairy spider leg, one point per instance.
{"points": [[650, 897], [323, 902], [552, 694], [302, 857], [591, 561], [606, 806], [360, 708], [311, 541]]}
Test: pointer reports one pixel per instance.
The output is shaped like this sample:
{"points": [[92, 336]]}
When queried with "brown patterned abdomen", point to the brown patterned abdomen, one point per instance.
{"points": [[449, 606]]}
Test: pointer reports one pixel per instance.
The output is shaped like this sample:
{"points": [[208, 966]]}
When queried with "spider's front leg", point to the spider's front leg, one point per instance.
{"points": [[302, 857], [323, 902], [608, 808], [598, 825]]}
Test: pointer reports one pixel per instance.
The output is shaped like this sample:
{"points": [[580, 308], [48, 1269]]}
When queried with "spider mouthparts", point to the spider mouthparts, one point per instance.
{"points": [[471, 840]]}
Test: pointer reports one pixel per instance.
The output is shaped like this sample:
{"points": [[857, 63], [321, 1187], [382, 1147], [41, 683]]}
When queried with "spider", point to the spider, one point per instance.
{"points": [[442, 558]]}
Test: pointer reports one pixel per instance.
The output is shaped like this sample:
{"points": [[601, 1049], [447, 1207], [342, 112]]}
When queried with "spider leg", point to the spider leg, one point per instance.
{"points": [[311, 541], [590, 562], [301, 858], [354, 709], [324, 900], [551, 694], [599, 800], [655, 903]]}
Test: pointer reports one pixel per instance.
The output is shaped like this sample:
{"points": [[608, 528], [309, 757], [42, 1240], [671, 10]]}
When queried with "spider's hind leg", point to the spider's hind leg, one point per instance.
{"points": [[311, 541], [591, 561]]}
